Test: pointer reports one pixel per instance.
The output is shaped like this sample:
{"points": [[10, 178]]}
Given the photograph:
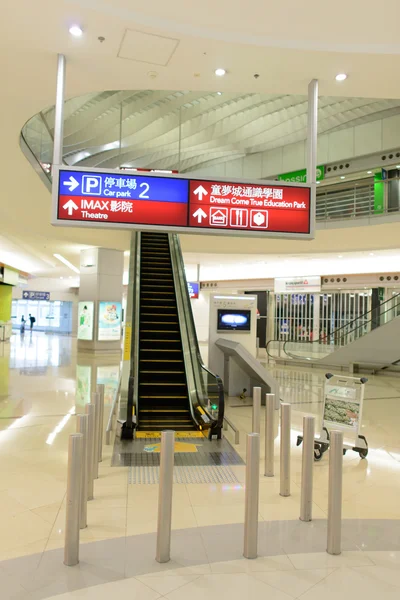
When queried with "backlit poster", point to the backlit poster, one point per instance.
{"points": [[110, 314], [85, 320], [82, 391]]}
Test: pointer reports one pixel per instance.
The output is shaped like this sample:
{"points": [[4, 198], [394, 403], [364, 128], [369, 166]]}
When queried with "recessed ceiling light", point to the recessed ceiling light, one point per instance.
{"points": [[220, 72], [219, 93], [340, 256], [397, 166], [369, 172], [342, 177], [318, 182], [76, 30], [341, 77], [371, 253]]}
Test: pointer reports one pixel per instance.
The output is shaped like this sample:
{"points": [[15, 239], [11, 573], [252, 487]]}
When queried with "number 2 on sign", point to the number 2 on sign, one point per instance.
{"points": [[146, 189]]}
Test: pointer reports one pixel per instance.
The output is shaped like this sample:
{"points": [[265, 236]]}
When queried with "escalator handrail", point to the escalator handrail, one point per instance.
{"points": [[133, 394], [334, 334], [192, 327]]}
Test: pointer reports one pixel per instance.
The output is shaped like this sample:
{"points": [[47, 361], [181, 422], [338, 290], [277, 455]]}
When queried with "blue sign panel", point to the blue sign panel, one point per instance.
{"points": [[193, 287], [120, 186], [27, 295]]}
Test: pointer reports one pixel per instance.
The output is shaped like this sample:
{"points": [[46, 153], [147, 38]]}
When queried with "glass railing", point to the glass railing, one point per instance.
{"points": [[205, 387], [328, 343], [338, 202]]}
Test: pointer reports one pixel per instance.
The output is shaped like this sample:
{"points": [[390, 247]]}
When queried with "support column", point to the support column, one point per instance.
{"points": [[312, 129], [5, 302], [100, 301]]}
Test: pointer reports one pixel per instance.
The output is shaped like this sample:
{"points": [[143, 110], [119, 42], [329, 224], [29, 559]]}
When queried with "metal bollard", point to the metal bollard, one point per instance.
{"points": [[269, 434], [82, 427], [71, 546], [163, 549], [334, 545], [90, 410], [285, 449], [251, 495], [255, 426], [97, 413], [307, 468], [100, 390]]}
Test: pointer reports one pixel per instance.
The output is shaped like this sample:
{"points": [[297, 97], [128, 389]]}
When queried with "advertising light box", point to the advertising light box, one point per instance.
{"points": [[85, 320], [94, 198], [110, 314]]}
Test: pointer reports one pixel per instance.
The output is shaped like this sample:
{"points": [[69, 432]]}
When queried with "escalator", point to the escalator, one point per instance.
{"points": [[163, 400], [169, 386]]}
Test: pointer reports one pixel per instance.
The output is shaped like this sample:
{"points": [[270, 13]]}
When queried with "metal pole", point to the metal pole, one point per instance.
{"points": [[334, 545], [100, 390], [59, 112], [307, 468], [269, 434], [165, 496], [285, 449], [252, 495], [82, 427], [71, 546], [312, 132], [90, 410], [97, 414], [255, 427]]}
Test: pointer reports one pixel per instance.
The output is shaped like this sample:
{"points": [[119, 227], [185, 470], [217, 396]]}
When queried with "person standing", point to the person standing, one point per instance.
{"points": [[23, 324], [32, 321]]}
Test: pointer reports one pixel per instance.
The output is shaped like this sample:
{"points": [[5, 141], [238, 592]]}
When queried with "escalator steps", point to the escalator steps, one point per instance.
{"points": [[163, 394]]}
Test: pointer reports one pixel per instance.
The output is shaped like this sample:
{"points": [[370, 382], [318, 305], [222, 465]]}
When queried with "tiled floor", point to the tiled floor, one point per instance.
{"points": [[43, 383]]}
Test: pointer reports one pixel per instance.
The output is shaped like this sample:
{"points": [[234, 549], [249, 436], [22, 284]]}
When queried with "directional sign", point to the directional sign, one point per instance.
{"points": [[28, 295], [156, 202], [259, 207]]}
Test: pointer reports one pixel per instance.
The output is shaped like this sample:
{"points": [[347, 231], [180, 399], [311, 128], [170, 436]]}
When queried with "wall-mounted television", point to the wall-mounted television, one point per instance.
{"points": [[233, 320]]}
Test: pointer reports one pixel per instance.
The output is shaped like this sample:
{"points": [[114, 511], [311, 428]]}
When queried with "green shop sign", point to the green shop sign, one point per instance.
{"points": [[301, 176]]}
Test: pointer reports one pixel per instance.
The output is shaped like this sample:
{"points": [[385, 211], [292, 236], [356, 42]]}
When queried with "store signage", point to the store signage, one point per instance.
{"points": [[193, 287], [110, 314], [297, 284], [28, 295], [121, 199], [301, 175], [85, 320]]}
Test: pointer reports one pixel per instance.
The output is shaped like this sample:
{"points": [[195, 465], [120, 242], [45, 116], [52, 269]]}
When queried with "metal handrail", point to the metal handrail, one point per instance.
{"points": [[195, 349], [113, 407], [228, 422], [339, 333], [133, 385]]}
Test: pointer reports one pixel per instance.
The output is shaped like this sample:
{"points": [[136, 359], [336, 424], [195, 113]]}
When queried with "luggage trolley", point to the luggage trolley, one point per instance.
{"points": [[343, 403]]}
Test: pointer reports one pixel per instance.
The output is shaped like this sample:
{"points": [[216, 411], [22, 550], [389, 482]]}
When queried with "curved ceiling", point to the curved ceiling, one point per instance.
{"points": [[287, 44], [185, 130]]}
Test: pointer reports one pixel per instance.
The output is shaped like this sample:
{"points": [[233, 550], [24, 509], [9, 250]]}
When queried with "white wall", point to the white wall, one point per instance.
{"points": [[377, 136]]}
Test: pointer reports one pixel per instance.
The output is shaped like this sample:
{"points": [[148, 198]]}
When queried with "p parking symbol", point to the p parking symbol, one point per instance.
{"points": [[91, 185]]}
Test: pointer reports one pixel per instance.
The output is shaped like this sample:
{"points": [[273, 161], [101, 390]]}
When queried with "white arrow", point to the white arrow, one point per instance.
{"points": [[70, 206], [200, 214], [72, 183], [200, 192]]}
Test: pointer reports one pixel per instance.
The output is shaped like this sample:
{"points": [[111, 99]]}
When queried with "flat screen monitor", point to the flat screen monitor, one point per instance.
{"points": [[234, 320]]}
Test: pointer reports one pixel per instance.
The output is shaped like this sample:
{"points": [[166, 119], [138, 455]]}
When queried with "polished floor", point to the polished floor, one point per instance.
{"points": [[44, 383]]}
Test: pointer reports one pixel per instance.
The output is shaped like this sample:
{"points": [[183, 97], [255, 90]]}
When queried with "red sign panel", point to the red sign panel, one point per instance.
{"points": [[122, 199], [273, 208]]}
